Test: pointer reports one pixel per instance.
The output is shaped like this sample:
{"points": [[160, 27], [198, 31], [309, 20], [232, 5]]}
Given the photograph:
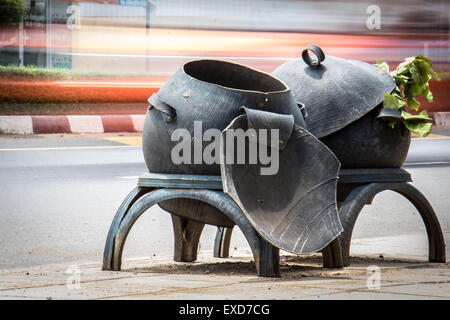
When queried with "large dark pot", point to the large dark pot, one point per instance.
{"points": [[370, 143], [343, 99], [212, 92]]}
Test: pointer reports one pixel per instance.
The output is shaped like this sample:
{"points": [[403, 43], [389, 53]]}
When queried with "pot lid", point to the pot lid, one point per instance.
{"points": [[335, 91]]}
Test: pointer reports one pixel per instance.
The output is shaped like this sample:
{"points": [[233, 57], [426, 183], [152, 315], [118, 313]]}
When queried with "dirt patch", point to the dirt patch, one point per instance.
{"points": [[288, 270], [219, 268], [291, 267]]}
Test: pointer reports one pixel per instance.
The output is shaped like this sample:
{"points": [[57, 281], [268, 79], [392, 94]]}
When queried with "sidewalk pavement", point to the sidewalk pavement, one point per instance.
{"points": [[109, 123], [389, 275]]}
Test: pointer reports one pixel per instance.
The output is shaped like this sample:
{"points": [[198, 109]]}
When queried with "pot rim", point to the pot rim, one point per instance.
{"points": [[266, 74]]}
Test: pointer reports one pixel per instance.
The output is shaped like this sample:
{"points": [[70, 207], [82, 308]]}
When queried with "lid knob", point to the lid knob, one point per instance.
{"points": [[320, 56]]}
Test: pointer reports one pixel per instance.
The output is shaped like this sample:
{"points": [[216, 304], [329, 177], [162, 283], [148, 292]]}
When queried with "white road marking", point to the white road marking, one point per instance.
{"points": [[127, 177], [426, 163], [65, 148]]}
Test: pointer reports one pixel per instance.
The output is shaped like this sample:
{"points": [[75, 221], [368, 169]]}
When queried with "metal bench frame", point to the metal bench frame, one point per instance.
{"points": [[356, 188]]}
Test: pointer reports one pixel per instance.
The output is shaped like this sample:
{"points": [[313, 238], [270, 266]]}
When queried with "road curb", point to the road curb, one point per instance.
{"points": [[72, 124], [441, 119], [109, 123]]}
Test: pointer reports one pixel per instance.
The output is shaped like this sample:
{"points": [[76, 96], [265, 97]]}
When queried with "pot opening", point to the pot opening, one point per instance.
{"points": [[232, 75]]}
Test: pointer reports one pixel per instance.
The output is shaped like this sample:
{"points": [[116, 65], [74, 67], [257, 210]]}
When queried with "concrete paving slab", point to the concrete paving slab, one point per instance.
{"points": [[235, 278], [58, 274], [369, 295], [125, 287], [411, 274], [406, 245], [247, 291], [434, 289]]}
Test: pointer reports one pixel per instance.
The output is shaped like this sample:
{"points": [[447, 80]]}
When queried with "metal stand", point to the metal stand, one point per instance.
{"points": [[362, 195], [155, 188], [356, 188]]}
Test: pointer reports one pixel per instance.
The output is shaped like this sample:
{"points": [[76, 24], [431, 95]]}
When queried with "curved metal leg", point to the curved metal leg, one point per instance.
{"points": [[214, 198], [129, 200], [186, 237], [364, 194], [222, 242], [269, 265], [269, 260], [332, 255]]}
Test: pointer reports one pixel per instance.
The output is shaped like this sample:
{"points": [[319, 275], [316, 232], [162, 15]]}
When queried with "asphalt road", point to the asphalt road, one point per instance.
{"points": [[59, 193]]}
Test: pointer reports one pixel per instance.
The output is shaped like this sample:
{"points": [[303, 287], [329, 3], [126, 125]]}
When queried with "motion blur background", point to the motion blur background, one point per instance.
{"points": [[150, 40]]}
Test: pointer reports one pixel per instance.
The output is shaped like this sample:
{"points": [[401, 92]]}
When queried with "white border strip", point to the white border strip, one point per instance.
{"points": [[16, 124], [86, 124]]}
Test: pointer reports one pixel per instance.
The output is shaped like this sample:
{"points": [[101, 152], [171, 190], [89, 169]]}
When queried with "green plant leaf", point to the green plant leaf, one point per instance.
{"points": [[424, 59], [12, 11], [412, 90], [424, 72], [427, 64], [427, 93], [413, 75], [400, 81], [423, 115], [404, 66], [383, 66], [413, 103], [392, 101], [391, 123], [419, 127], [416, 74]]}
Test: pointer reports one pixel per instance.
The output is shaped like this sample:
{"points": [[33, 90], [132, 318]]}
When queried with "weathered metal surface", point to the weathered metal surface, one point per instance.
{"points": [[332, 255], [364, 185], [188, 208], [186, 237], [295, 208], [196, 211], [180, 181], [343, 100], [362, 175], [335, 91], [389, 114], [362, 195], [370, 143], [202, 212], [350, 179], [373, 175], [222, 242], [212, 92], [264, 254], [129, 200]]}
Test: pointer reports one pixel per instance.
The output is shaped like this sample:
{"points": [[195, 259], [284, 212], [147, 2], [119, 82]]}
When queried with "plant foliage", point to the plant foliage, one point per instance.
{"points": [[412, 79], [12, 11]]}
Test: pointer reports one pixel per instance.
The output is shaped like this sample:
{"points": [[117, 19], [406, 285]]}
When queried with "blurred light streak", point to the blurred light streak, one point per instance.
{"points": [[103, 84]]}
